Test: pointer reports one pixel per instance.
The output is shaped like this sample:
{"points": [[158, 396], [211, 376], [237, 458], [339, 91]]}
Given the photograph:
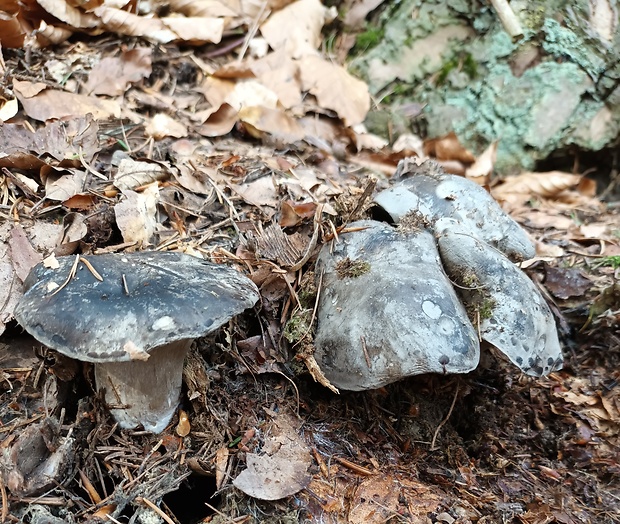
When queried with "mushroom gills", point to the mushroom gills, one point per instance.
{"points": [[388, 311], [511, 312]]}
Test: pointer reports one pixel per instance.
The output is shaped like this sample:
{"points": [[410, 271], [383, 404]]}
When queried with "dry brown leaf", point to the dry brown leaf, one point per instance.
{"points": [[205, 8], [480, 171], [260, 193], [547, 185], [43, 104], [133, 173], [13, 29], [448, 147], [161, 30], [23, 255], [114, 74], [281, 469], [220, 122], [161, 125], [378, 498], [279, 73], [221, 465], [8, 108], [335, 89], [297, 27], [262, 120], [69, 14], [62, 184], [195, 30], [136, 215]]}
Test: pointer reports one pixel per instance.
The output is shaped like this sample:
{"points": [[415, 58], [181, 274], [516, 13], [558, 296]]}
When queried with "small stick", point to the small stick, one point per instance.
{"points": [[360, 470], [5, 502], [91, 269], [71, 275], [456, 394], [365, 350], [508, 18]]}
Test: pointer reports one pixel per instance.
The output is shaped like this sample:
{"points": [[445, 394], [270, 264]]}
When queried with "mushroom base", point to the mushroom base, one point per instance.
{"points": [[144, 392]]}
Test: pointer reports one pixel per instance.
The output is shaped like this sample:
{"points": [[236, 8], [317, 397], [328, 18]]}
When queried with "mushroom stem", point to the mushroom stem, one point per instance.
{"points": [[144, 391]]}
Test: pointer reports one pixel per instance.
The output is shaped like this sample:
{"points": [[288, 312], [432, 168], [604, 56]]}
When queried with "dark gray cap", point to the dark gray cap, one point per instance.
{"points": [[145, 300]]}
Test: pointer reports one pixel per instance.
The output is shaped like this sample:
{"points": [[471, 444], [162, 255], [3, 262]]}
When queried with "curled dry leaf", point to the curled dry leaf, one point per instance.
{"points": [[335, 89], [136, 215], [547, 185], [41, 103], [283, 30]]}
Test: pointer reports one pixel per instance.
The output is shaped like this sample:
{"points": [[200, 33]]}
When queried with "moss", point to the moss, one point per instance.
{"points": [[464, 62], [298, 326], [369, 38], [347, 268]]}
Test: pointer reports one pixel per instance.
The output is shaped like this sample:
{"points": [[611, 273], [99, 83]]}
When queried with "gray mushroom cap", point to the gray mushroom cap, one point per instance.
{"points": [[388, 311], [145, 300], [437, 200]]}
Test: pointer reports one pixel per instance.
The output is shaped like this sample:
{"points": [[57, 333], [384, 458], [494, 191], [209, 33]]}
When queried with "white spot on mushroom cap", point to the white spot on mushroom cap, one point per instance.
{"points": [[165, 323], [52, 286], [431, 309]]}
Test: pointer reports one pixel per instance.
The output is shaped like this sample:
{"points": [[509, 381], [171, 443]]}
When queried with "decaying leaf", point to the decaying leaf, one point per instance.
{"points": [[136, 215], [114, 74], [281, 468], [350, 100], [42, 103]]}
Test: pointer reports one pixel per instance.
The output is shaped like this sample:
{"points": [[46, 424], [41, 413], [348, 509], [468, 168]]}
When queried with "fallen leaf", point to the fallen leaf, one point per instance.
{"points": [[335, 89], [42, 103], [448, 147], [161, 125], [566, 282], [132, 174], [480, 171], [136, 215], [297, 27], [114, 74], [23, 255], [281, 469]]}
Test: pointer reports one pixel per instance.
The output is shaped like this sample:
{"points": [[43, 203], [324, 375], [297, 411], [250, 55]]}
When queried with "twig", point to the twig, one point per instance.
{"points": [[157, 510], [456, 394], [508, 18], [5, 502], [71, 275], [91, 269]]}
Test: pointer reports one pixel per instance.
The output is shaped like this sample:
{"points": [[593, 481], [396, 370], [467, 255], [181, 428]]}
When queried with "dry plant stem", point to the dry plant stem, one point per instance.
{"points": [[442, 423], [145, 392], [508, 18]]}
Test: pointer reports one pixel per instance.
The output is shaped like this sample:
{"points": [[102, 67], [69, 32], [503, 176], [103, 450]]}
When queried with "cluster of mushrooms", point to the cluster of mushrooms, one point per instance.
{"points": [[418, 296], [397, 300]]}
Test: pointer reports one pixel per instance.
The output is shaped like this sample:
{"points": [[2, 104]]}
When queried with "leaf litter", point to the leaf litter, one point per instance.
{"points": [[254, 161]]}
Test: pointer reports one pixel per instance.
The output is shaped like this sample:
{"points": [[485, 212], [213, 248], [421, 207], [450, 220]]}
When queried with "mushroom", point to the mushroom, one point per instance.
{"points": [[512, 314], [438, 200], [134, 316], [387, 310]]}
